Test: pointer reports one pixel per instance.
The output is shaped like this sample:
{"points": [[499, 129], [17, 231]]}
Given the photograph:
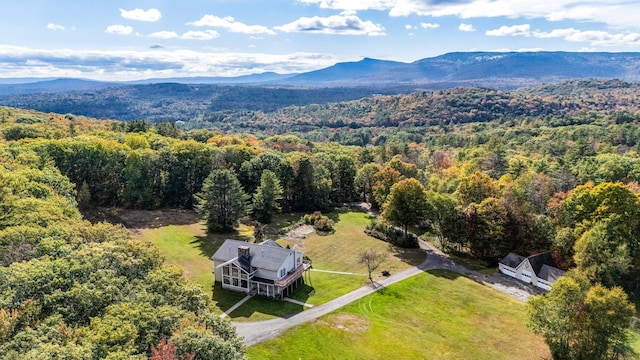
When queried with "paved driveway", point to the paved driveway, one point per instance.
{"points": [[256, 332]]}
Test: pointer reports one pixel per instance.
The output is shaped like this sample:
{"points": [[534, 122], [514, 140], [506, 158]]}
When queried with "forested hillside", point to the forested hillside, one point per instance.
{"points": [[285, 110], [181, 102], [550, 168], [75, 290]]}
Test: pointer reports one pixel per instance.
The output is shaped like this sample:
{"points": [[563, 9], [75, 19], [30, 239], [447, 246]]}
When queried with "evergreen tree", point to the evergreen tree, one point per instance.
{"points": [[266, 199], [222, 202]]}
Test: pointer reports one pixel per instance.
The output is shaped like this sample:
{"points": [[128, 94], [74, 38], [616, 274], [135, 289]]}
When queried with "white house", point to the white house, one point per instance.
{"points": [[539, 270], [265, 269]]}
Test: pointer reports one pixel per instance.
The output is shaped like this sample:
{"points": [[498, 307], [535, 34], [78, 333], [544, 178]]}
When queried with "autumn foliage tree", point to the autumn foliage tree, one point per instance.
{"points": [[581, 321], [406, 204]]}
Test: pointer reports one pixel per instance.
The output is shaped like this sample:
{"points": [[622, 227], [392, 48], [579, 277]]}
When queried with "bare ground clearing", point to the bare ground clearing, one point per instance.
{"points": [[142, 219]]}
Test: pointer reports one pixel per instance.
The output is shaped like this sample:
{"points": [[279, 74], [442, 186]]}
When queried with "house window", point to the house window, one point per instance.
{"points": [[282, 272]]}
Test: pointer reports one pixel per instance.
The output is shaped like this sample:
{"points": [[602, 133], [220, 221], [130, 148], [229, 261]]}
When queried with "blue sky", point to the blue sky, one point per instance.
{"points": [[137, 39]]}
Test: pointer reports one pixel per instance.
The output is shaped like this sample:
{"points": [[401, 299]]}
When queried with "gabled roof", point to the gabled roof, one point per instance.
{"points": [[549, 273], [512, 260], [542, 265], [539, 260], [270, 243], [263, 256]]}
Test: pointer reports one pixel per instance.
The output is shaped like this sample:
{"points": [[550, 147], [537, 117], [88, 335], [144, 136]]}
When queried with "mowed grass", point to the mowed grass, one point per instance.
{"points": [[190, 248], [339, 251], [435, 315], [334, 252]]}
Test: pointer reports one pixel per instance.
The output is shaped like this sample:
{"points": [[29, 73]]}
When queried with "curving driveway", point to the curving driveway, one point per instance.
{"points": [[256, 332]]}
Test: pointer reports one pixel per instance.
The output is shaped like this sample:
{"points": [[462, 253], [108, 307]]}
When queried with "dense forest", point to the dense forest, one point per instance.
{"points": [[182, 102], [275, 110], [551, 168]]}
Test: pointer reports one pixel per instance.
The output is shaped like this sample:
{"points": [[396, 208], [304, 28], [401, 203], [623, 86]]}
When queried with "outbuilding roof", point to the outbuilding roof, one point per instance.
{"points": [[549, 273], [512, 260]]}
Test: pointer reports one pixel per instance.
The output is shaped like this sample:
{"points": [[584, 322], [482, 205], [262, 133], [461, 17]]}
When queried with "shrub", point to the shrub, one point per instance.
{"points": [[391, 234], [310, 219], [323, 224]]}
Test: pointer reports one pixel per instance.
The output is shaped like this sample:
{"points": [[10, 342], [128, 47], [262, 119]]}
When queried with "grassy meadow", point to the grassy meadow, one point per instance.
{"points": [[435, 315], [188, 246]]}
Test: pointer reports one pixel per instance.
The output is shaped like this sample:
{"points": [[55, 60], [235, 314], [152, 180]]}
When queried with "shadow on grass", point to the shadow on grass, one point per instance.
{"points": [[410, 256], [139, 219], [271, 307], [445, 274], [225, 298], [334, 214], [210, 243]]}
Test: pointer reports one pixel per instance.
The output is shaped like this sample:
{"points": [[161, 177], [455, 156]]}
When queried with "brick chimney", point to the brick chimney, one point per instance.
{"points": [[243, 253]]}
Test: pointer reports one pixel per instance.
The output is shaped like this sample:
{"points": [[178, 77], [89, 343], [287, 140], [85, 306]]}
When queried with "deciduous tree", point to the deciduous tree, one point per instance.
{"points": [[580, 321], [371, 259], [406, 204]]}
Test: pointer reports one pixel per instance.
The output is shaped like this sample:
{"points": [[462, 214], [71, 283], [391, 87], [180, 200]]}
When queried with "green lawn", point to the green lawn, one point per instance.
{"points": [[339, 251], [190, 247], [436, 315]]}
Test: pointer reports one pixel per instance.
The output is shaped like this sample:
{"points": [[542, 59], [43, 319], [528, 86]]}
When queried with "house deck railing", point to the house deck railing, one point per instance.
{"points": [[293, 276]]}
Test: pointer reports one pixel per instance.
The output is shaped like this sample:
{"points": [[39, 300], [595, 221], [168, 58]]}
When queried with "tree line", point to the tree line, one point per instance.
{"points": [[75, 290], [482, 189]]}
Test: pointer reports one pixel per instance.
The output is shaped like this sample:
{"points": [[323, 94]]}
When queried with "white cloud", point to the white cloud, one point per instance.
{"points": [[119, 29], [189, 35], [593, 37], [201, 35], [352, 5], [515, 30], [55, 27], [556, 33], [409, 27], [429, 25], [157, 62], [335, 24], [617, 13], [151, 15], [466, 27], [164, 35], [231, 25]]}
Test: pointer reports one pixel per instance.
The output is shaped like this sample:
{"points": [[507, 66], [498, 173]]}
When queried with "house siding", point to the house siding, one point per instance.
{"points": [[266, 266], [507, 270], [525, 272]]}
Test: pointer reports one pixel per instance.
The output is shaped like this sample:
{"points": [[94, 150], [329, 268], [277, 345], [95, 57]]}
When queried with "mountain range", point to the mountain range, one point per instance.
{"points": [[502, 70]]}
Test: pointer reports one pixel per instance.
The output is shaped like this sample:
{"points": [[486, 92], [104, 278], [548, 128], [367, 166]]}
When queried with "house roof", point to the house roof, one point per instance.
{"points": [[549, 273], [270, 243], [512, 260], [539, 260], [263, 256]]}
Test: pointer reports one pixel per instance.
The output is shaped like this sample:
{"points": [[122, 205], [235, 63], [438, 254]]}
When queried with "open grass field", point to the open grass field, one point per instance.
{"points": [[435, 315], [339, 251], [186, 244]]}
